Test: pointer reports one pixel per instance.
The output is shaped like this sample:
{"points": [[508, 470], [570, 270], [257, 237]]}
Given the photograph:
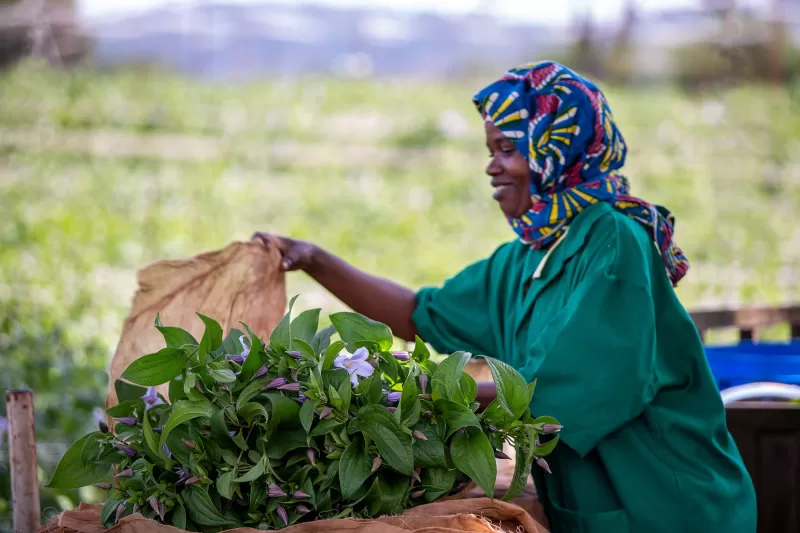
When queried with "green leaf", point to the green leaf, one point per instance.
{"points": [[473, 455], [531, 389], [182, 412], [325, 426], [523, 463], [456, 416], [357, 330], [201, 508], [128, 391], [304, 327], [447, 377], [370, 389], [429, 453], [151, 444], [254, 359], [284, 412], [512, 391], [251, 411], [355, 467], [330, 355], [468, 389], [307, 414], [285, 441], [72, 473], [421, 352], [109, 510], [322, 339], [212, 338], [179, 516], [394, 492], [410, 403], [394, 444], [224, 375], [176, 391], [252, 390], [156, 368], [438, 482], [176, 337], [305, 349], [231, 345], [125, 408], [547, 448], [254, 473], [281, 337], [225, 485]]}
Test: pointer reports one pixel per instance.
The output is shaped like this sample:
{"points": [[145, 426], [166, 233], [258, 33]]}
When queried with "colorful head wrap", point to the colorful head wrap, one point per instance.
{"points": [[563, 126]]}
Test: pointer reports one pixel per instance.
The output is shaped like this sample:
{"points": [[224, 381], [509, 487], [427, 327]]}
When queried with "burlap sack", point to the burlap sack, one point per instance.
{"points": [[481, 515], [242, 282]]}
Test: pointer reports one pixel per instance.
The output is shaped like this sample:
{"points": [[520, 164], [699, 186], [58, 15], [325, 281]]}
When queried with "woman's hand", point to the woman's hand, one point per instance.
{"points": [[296, 254]]}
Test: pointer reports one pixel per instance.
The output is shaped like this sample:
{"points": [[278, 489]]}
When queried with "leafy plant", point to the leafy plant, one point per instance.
{"points": [[304, 427]]}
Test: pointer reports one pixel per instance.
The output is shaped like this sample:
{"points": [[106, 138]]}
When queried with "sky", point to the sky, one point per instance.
{"points": [[546, 11]]}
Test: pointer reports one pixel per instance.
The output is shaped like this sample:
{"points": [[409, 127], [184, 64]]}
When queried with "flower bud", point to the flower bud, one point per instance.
{"points": [[127, 420], [424, 396], [275, 383], [552, 428], [417, 494], [302, 509], [293, 374], [224, 386], [166, 451], [392, 409], [415, 475], [428, 414], [326, 411], [373, 363], [102, 426], [158, 430], [283, 514], [376, 464], [260, 372], [543, 465], [238, 359], [127, 450], [157, 507], [400, 356], [312, 456], [120, 511], [498, 454], [295, 354], [193, 480], [394, 397], [103, 486], [423, 382], [125, 473], [299, 495], [492, 428], [274, 491], [290, 387], [189, 444], [417, 434]]}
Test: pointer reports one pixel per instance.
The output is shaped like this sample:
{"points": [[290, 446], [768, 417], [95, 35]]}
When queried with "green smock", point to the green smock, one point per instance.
{"points": [[645, 446]]}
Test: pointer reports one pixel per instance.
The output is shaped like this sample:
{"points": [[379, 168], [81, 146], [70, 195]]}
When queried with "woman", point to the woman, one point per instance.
{"points": [[583, 301]]}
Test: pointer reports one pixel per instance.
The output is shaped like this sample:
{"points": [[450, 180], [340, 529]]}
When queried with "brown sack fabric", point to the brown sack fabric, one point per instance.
{"points": [[240, 283], [481, 515]]}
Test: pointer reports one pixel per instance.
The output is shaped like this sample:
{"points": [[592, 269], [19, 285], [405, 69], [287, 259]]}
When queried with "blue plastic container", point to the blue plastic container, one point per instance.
{"points": [[749, 362]]}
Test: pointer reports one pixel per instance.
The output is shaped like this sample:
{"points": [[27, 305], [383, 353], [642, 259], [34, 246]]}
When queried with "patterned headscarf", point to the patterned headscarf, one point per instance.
{"points": [[563, 126]]}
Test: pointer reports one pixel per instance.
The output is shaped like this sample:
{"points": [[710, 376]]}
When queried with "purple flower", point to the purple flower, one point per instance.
{"points": [[238, 359], [417, 434], [423, 382], [232, 433], [151, 398], [300, 399], [543, 465], [125, 473], [302, 509], [295, 354], [492, 428], [158, 430], [166, 451], [127, 450], [276, 383], [392, 409], [326, 411], [299, 495], [376, 463], [127, 420], [552, 428], [312, 456], [393, 397], [400, 356], [274, 491], [283, 514], [260, 372], [290, 387], [355, 364]]}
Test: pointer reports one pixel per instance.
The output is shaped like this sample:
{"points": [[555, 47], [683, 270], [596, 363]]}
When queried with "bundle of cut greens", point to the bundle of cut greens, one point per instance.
{"points": [[304, 428]]}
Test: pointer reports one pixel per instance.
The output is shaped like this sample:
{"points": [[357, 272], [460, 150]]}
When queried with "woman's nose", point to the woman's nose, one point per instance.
{"points": [[493, 168]]}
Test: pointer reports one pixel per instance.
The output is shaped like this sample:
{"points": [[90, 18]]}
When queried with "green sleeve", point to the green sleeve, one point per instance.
{"points": [[457, 315], [595, 359]]}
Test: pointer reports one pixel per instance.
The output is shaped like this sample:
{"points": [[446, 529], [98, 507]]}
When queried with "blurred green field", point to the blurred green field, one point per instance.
{"points": [[101, 174]]}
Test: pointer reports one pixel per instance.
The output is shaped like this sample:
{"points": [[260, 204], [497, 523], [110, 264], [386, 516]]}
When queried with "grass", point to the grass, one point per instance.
{"points": [[389, 175]]}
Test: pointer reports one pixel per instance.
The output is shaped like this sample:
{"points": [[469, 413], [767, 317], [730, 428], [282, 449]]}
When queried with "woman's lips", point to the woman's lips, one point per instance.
{"points": [[500, 189]]}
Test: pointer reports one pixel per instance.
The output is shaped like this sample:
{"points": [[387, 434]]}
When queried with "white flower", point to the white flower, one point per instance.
{"points": [[355, 364]]}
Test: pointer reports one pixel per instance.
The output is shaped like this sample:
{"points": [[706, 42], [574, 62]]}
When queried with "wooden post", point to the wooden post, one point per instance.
{"points": [[22, 456]]}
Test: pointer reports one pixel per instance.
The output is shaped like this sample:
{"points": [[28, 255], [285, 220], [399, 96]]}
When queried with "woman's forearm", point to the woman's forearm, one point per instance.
{"points": [[371, 296], [487, 392]]}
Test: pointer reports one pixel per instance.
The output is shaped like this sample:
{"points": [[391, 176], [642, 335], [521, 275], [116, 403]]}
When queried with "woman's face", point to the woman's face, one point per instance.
{"points": [[509, 171]]}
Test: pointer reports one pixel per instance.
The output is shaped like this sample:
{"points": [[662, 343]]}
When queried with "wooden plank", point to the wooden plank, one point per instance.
{"points": [[746, 318], [22, 456]]}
